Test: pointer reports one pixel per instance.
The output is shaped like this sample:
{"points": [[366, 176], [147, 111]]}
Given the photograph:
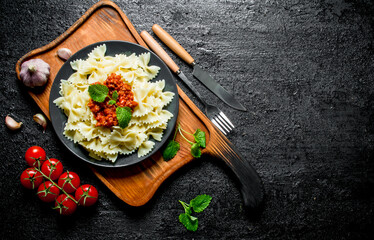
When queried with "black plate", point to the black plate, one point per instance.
{"points": [[59, 119]]}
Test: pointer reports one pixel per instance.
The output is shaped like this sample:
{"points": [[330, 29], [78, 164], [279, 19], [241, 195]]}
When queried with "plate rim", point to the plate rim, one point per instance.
{"points": [[107, 163]]}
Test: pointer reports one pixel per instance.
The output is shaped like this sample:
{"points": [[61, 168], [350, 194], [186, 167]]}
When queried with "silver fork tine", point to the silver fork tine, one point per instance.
{"points": [[221, 124], [218, 126], [224, 122], [218, 118], [227, 120]]}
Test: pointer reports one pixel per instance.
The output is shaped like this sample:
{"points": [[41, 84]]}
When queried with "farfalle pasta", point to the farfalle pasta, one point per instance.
{"points": [[149, 118]]}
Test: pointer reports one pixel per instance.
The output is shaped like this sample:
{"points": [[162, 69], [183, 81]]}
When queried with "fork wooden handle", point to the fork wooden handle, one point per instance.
{"points": [[172, 44], [250, 183]]}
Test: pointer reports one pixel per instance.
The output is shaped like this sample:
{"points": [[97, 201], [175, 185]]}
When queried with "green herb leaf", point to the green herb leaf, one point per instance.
{"points": [[200, 202], [115, 96], [190, 222], [200, 138], [187, 208], [111, 102], [123, 116], [98, 92], [171, 150], [195, 150]]}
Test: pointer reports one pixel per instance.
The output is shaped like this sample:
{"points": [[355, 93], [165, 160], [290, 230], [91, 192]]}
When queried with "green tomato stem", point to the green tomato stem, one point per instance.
{"points": [[68, 195]]}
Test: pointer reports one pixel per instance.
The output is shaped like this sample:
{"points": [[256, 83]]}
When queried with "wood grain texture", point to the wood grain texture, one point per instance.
{"points": [[136, 184], [103, 21], [306, 67], [156, 48]]}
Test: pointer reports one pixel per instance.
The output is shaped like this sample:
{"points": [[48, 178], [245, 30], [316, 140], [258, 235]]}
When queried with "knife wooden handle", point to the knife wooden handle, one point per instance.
{"points": [[250, 183], [172, 44], [151, 42]]}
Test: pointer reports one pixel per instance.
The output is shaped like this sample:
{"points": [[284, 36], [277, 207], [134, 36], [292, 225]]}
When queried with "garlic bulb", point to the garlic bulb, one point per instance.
{"points": [[11, 123], [64, 53], [34, 72]]}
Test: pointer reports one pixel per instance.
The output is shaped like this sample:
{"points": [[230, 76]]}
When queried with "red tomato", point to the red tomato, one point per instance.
{"points": [[48, 192], [86, 195], [64, 205], [31, 179], [52, 168], [69, 181], [35, 156]]}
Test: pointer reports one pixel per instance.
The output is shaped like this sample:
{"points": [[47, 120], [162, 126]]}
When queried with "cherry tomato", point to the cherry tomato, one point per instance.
{"points": [[31, 178], [48, 192], [35, 156], [64, 205], [86, 195], [52, 168], [69, 181]]}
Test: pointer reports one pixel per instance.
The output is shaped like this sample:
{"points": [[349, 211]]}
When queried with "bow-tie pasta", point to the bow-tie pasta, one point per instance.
{"points": [[148, 121]]}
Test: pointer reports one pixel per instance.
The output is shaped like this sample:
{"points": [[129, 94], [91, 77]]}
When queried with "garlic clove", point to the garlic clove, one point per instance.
{"points": [[64, 53], [40, 119], [11, 123]]}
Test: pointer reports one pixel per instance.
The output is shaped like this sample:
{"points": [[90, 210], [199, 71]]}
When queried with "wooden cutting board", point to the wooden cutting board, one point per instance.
{"points": [[135, 184]]}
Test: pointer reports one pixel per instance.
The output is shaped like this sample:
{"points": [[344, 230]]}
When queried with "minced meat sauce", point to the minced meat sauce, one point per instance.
{"points": [[104, 113]]}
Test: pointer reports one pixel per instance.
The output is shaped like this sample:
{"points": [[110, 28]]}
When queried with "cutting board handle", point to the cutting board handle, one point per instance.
{"points": [[251, 185]]}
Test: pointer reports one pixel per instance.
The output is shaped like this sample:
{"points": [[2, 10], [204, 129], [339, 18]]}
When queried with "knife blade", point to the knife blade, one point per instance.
{"points": [[198, 72], [250, 183], [212, 112]]}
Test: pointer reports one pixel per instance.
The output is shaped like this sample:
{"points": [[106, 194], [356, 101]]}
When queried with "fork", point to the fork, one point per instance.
{"points": [[215, 115]]}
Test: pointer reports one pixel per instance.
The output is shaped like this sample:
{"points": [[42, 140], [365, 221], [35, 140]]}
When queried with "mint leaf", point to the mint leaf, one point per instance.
{"points": [[111, 102], [190, 222], [98, 92], [115, 96], [200, 138], [200, 202], [187, 208], [195, 150], [123, 116], [171, 150]]}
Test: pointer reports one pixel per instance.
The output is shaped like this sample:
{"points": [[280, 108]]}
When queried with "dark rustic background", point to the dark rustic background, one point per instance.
{"points": [[304, 71]]}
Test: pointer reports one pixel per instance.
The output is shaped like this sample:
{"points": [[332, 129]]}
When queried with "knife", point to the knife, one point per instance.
{"points": [[218, 118], [198, 72], [156, 48], [250, 183]]}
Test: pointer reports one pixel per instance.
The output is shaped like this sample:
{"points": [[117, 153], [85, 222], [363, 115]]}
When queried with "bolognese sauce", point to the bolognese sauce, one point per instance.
{"points": [[104, 113]]}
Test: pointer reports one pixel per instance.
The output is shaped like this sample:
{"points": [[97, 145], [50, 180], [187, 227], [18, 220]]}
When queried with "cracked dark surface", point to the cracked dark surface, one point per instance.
{"points": [[303, 70]]}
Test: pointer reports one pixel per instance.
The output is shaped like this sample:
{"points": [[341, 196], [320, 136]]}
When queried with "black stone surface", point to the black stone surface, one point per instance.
{"points": [[304, 71]]}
